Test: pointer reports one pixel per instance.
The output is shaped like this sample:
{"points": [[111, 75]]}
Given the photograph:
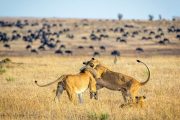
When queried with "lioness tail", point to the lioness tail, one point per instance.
{"points": [[143, 83], [59, 79]]}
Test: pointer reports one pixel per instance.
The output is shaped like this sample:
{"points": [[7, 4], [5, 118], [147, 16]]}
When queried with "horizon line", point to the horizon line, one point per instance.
{"points": [[40, 17]]}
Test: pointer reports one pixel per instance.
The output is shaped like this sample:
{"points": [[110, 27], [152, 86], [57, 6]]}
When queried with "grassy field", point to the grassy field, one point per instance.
{"points": [[20, 98]]}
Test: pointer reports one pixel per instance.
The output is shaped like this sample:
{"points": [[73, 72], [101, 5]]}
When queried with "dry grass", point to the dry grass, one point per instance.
{"points": [[20, 98]]}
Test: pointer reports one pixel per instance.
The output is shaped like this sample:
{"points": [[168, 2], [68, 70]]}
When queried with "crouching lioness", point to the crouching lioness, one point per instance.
{"points": [[139, 102], [129, 86], [75, 84]]}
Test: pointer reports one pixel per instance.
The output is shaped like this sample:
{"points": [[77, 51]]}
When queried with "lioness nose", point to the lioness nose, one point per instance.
{"points": [[92, 65]]}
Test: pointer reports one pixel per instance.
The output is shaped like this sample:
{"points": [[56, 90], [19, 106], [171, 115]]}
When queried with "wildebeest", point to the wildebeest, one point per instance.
{"points": [[80, 47], [96, 54], [41, 47], [58, 41], [94, 37], [102, 48], [28, 47], [164, 41], [51, 45], [91, 47], [68, 52], [129, 26], [34, 51], [84, 38], [7, 46], [146, 38], [139, 49], [151, 33], [115, 53], [62, 46], [158, 36], [70, 36], [4, 37], [118, 29], [178, 37], [59, 52]]}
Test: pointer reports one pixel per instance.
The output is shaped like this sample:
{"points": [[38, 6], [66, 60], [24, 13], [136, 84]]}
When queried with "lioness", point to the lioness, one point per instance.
{"points": [[75, 84], [117, 81]]}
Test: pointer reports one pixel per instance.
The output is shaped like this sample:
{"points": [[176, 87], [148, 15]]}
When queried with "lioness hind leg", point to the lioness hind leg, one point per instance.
{"points": [[92, 85], [125, 94], [96, 93], [59, 90], [124, 97]]}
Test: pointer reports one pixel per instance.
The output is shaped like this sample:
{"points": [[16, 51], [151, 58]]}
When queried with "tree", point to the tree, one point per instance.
{"points": [[160, 17], [120, 16], [151, 17]]}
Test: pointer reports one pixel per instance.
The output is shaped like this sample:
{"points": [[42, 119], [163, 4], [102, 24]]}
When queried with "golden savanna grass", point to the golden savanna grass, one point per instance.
{"points": [[20, 98]]}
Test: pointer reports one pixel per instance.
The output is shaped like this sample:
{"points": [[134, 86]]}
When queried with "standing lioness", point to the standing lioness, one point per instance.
{"points": [[75, 84], [117, 81]]}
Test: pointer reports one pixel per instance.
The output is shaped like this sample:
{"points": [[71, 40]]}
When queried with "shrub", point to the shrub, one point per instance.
{"points": [[95, 116], [6, 60], [151, 17], [10, 79], [120, 16], [2, 70], [104, 116]]}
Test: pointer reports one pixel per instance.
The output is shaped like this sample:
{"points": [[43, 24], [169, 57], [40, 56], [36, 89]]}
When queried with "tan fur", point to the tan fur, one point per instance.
{"points": [[139, 102], [117, 81], [74, 84]]}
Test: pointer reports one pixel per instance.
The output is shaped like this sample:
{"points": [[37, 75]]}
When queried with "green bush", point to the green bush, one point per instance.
{"points": [[6, 60], [104, 116], [10, 79], [95, 116], [2, 70]]}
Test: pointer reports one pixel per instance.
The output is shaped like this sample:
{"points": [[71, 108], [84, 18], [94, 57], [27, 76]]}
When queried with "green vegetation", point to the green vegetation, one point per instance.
{"points": [[2, 70], [10, 79], [95, 116]]}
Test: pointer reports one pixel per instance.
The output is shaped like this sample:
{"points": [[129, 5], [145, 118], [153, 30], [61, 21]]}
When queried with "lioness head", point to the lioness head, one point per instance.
{"points": [[92, 63], [139, 102], [140, 99]]}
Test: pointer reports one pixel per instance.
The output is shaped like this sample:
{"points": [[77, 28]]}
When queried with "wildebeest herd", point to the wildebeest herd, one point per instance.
{"points": [[86, 37]]}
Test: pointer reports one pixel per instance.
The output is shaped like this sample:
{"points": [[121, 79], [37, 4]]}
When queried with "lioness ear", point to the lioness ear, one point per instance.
{"points": [[93, 58]]}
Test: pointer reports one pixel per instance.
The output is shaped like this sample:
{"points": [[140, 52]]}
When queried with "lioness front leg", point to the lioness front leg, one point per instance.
{"points": [[80, 98], [96, 93], [92, 88], [71, 96]]}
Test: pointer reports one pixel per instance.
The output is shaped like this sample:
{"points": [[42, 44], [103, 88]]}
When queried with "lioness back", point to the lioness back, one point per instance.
{"points": [[79, 83]]}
